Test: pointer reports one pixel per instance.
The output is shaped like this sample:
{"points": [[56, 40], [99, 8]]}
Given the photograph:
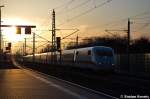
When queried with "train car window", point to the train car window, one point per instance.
{"points": [[104, 53], [89, 52]]}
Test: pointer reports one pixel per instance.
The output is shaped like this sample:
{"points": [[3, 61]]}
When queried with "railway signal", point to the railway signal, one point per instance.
{"points": [[8, 48], [18, 30], [9, 44], [58, 41], [28, 30]]}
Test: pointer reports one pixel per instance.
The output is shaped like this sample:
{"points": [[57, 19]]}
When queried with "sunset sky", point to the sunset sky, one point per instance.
{"points": [[91, 17]]}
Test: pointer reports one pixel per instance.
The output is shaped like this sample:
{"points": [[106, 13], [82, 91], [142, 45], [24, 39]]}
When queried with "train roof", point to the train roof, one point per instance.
{"points": [[95, 47], [78, 49], [39, 54], [88, 48]]}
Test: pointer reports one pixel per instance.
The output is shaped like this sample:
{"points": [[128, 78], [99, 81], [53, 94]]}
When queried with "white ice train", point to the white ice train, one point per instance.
{"points": [[95, 58]]}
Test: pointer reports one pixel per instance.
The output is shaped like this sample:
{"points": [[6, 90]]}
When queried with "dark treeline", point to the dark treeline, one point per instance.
{"points": [[46, 49], [118, 43]]}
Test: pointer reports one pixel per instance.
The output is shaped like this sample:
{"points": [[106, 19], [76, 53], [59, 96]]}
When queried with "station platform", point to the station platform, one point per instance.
{"points": [[28, 84]]}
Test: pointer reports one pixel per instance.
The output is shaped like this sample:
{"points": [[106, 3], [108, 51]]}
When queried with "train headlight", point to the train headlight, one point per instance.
{"points": [[113, 64]]}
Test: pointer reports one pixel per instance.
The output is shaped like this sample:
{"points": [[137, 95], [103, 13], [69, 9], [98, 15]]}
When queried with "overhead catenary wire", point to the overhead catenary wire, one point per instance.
{"points": [[141, 14], [81, 4], [142, 21], [42, 37], [64, 4], [124, 19], [70, 34], [75, 7], [57, 7], [86, 12], [141, 17]]}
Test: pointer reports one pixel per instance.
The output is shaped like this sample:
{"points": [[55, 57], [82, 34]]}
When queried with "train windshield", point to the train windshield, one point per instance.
{"points": [[104, 53]]}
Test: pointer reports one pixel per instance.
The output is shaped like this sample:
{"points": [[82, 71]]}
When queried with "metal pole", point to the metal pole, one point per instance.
{"points": [[25, 46], [53, 31], [128, 44], [77, 40], [0, 30], [23, 49], [33, 47], [53, 36]]}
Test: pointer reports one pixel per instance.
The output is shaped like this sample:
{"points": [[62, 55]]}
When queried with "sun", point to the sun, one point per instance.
{"points": [[10, 35]]}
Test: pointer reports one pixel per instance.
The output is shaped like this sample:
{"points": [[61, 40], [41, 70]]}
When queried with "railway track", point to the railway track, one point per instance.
{"points": [[112, 84]]}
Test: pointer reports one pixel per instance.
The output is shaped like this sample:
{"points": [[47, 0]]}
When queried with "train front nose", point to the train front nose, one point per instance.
{"points": [[105, 63]]}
